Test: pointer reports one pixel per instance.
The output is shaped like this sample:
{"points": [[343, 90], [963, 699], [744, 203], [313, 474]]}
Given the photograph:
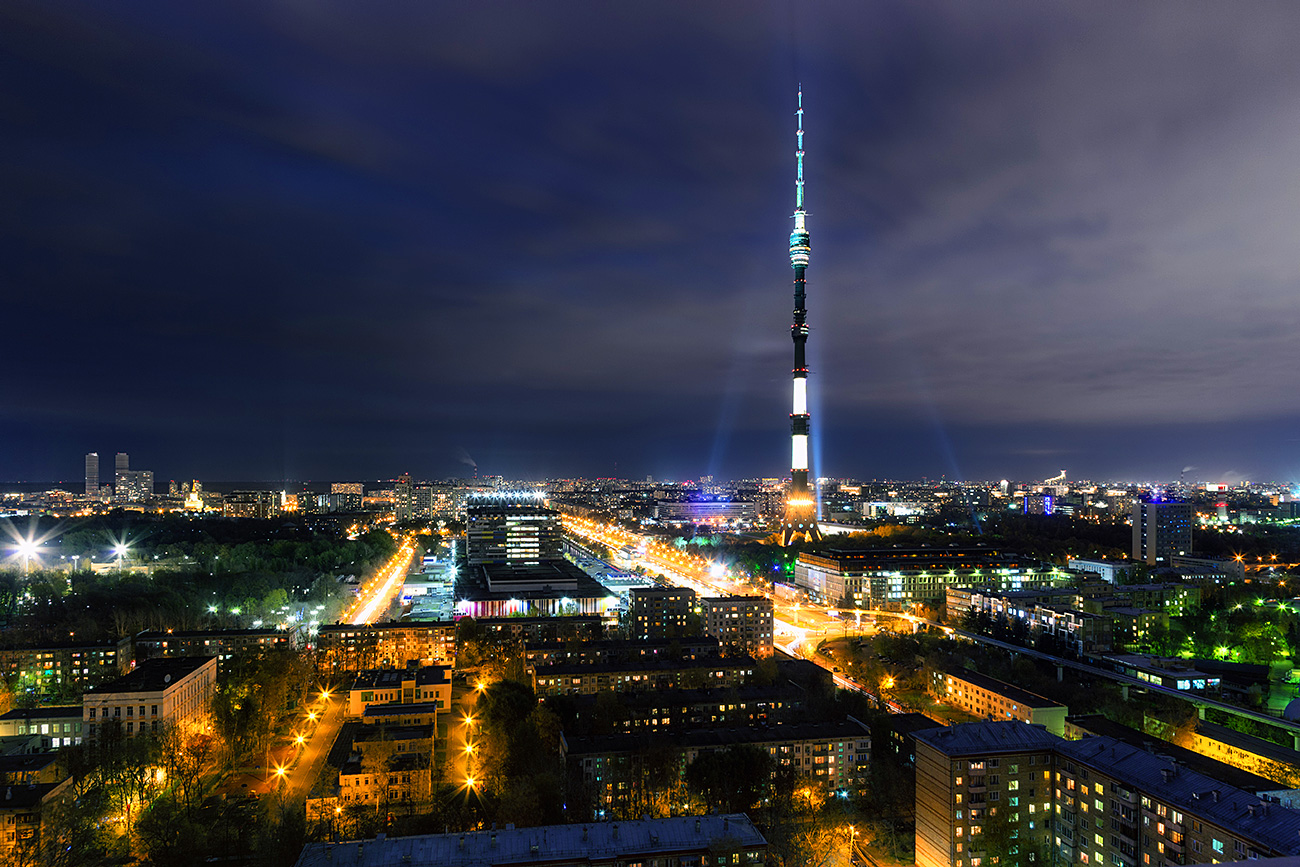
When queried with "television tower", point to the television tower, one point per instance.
{"points": [[801, 506]]}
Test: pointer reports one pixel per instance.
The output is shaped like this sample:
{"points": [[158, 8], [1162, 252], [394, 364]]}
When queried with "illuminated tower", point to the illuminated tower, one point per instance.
{"points": [[800, 506]]}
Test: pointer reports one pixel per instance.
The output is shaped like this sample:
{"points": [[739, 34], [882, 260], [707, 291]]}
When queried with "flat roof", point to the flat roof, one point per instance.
{"points": [[154, 635], [392, 678], [1223, 804], [1002, 688], [1005, 736], [1098, 725], [647, 664], [154, 675], [721, 737], [598, 842], [399, 709], [387, 625], [472, 583], [1259, 746], [59, 711]]}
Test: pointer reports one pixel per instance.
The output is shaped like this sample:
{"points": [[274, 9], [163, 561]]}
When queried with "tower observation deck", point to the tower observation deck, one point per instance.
{"points": [[801, 505]]}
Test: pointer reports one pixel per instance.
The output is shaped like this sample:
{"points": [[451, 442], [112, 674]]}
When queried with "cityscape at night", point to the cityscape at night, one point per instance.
{"points": [[393, 458]]}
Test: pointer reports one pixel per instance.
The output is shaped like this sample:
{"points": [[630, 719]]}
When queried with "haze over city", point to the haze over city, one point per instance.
{"points": [[278, 240]]}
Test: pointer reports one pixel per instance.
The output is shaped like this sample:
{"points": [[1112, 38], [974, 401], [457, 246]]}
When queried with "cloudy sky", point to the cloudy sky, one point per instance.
{"points": [[307, 239]]}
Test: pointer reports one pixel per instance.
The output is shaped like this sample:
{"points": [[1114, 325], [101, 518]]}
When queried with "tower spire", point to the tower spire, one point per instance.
{"points": [[800, 506]]}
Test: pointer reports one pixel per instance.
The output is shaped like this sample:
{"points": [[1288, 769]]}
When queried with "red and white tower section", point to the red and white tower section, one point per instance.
{"points": [[801, 506]]}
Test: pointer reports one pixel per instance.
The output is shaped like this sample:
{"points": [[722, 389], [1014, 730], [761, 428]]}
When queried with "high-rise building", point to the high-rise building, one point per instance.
{"points": [[134, 486], [659, 612], [801, 506], [990, 789], [404, 504], [1161, 529], [92, 474], [512, 529]]}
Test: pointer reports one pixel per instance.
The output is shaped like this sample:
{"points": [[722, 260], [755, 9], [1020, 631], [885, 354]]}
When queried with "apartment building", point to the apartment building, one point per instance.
{"points": [[990, 698], [973, 775], [20, 818], [1095, 801], [833, 755], [224, 644], [157, 695], [618, 650], [680, 841], [629, 712], [348, 647], [659, 612], [45, 666], [740, 621], [702, 673], [891, 579]]}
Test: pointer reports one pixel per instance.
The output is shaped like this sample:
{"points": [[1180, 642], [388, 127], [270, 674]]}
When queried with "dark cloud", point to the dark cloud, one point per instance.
{"points": [[314, 239]]}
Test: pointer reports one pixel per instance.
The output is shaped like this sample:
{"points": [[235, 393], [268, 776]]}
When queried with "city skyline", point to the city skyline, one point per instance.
{"points": [[276, 242]]}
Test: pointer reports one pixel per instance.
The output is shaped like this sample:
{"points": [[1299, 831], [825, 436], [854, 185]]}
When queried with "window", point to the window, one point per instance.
{"points": [[1217, 845]]}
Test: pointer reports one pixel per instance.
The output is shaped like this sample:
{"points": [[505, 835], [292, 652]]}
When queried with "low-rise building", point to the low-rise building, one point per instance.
{"points": [[603, 652], [744, 622], [560, 628], [892, 579], [157, 695], [990, 698], [682, 709], [20, 817], [643, 676], [56, 726], [429, 683], [349, 647], [46, 666], [224, 644], [680, 841], [833, 755]]}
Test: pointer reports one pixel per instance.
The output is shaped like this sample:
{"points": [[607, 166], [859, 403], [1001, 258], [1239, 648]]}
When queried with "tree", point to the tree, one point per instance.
{"points": [[734, 779]]}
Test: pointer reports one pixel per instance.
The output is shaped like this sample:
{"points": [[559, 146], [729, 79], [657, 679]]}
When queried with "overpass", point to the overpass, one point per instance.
{"points": [[1201, 703]]}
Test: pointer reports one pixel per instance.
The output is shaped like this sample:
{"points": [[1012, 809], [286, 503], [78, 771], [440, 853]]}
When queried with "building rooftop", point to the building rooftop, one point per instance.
{"points": [[1250, 743], [1002, 688], [595, 842], [61, 711], [1098, 725], [368, 734], [1270, 824], [473, 582], [155, 635], [154, 675], [397, 709], [644, 664], [392, 624], [720, 737], [392, 678], [30, 796], [1009, 736]]}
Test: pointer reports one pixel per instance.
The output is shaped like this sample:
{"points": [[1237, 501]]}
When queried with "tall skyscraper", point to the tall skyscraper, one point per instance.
{"points": [[121, 466], [92, 474], [800, 507], [1161, 529], [404, 507]]}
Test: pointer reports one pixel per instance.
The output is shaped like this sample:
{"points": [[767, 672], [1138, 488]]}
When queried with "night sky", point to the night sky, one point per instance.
{"points": [[300, 239]]}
